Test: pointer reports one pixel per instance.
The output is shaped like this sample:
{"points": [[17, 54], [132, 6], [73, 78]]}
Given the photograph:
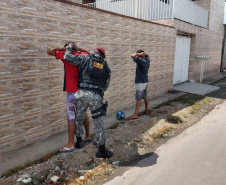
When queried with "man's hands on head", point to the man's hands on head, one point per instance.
{"points": [[74, 46], [133, 55], [52, 51], [142, 55]]}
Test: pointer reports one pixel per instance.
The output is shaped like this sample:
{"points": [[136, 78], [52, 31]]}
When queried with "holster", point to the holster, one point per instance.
{"points": [[104, 108], [102, 111]]}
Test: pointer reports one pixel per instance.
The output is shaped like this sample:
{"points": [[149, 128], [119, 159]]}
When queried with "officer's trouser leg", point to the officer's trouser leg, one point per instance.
{"points": [[95, 105], [99, 131], [80, 111]]}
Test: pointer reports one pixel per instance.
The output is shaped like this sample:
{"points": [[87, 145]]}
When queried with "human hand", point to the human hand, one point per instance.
{"points": [[142, 54], [133, 55], [75, 47], [70, 44], [64, 48]]}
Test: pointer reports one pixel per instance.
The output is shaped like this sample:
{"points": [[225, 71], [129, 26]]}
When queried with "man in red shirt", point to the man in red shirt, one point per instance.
{"points": [[71, 74]]}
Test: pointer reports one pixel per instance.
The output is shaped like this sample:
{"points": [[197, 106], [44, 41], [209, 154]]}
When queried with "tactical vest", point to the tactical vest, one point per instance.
{"points": [[95, 73]]}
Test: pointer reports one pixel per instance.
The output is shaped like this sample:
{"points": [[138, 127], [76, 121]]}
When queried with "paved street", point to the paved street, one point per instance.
{"points": [[195, 157]]}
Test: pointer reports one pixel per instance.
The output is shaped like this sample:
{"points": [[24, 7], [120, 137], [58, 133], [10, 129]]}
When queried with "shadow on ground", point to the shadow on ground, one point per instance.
{"points": [[220, 93]]}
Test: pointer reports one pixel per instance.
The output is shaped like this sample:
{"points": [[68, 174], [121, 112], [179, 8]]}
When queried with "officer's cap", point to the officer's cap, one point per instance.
{"points": [[102, 50]]}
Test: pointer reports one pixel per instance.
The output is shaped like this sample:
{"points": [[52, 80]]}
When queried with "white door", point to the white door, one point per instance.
{"points": [[182, 55]]}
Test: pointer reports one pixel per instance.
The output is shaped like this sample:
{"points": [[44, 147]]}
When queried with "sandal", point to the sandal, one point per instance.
{"points": [[131, 117], [67, 150]]}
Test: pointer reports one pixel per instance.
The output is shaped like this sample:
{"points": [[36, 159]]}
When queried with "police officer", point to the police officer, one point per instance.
{"points": [[94, 79]]}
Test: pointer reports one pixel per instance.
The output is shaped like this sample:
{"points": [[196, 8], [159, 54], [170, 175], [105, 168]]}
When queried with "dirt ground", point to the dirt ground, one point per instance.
{"points": [[130, 140]]}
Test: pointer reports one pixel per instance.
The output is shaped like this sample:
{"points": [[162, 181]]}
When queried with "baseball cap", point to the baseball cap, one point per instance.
{"points": [[102, 50]]}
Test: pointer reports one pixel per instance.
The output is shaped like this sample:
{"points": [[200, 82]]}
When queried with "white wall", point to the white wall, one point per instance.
{"points": [[76, 1], [225, 13]]}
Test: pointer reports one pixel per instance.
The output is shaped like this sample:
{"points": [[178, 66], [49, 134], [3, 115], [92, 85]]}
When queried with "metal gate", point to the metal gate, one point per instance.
{"points": [[182, 55]]}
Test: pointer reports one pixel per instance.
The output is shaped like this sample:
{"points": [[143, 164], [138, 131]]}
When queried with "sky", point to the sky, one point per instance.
{"points": [[225, 13]]}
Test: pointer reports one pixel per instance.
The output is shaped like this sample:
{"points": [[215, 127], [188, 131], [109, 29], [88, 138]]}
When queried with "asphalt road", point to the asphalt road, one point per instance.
{"points": [[195, 157]]}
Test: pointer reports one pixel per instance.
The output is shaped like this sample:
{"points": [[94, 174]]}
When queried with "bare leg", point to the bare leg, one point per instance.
{"points": [[146, 106], [71, 132], [87, 128], [135, 114]]}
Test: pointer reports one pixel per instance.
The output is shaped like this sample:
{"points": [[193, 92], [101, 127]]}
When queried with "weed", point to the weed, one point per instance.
{"points": [[199, 105], [189, 99]]}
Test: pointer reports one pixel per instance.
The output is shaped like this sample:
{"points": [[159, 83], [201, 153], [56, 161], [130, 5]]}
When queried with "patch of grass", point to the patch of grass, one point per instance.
{"points": [[160, 132], [189, 99], [30, 163], [199, 105]]}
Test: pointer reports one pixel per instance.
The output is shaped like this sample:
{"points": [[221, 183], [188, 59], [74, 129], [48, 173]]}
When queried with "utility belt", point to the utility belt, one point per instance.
{"points": [[97, 91]]}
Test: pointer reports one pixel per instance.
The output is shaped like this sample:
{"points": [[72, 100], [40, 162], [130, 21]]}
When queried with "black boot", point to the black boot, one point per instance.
{"points": [[79, 143], [103, 153]]}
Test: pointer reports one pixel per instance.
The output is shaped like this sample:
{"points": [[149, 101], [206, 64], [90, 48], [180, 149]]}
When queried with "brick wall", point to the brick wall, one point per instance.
{"points": [[32, 102]]}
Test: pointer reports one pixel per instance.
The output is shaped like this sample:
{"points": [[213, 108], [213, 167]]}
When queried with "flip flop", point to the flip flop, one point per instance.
{"points": [[67, 150], [89, 141], [131, 118]]}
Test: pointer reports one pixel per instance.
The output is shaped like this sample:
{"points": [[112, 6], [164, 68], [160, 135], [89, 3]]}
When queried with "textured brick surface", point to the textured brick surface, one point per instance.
{"points": [[31, 97]]}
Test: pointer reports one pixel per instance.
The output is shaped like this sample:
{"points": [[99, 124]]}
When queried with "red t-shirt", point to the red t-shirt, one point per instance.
{"points": [[71, 72]]}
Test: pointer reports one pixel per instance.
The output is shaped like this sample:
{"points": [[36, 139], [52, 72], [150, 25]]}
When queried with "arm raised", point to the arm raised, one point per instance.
{"points": [[52, 51], [73, 59]]}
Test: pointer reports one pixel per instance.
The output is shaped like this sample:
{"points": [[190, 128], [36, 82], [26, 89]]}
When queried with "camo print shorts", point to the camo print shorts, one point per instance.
{"points": [[141, 91], [70, 107]]}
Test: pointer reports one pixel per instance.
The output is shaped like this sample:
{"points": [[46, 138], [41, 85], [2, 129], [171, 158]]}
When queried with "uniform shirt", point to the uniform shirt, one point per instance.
{"points": [[71, 72], [142, 69], [82, 61]]}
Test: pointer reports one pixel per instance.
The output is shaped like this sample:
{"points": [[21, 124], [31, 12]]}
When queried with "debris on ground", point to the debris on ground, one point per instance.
{"points": [[138, 136]]}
